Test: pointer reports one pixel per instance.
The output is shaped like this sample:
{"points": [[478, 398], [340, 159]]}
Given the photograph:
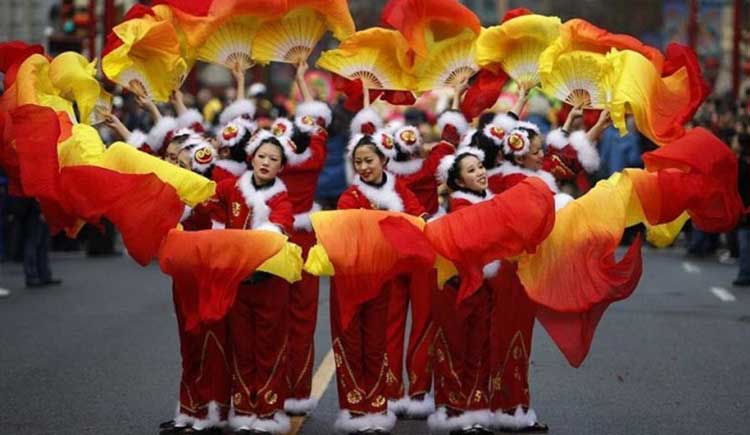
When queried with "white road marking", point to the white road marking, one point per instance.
{"points": [[690, 267], [723, 294]]}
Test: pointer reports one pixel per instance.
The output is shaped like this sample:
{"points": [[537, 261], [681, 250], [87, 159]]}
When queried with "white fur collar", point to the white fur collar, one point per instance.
{"points": [[383, 197], [296, 159], [471, 197], [256, 199], [508, 168], [235, 168], [494, 171], [405, 168]]}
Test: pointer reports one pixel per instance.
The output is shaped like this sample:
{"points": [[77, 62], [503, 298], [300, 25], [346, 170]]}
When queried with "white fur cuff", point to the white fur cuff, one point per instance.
{"points": [[455, 119], [268, 226], [587, 153], [136, 138], [490, 270], [300, 406], [237, 109], [302, 220], [557, 138], [159, 132], [189, 119], [347, 423]]}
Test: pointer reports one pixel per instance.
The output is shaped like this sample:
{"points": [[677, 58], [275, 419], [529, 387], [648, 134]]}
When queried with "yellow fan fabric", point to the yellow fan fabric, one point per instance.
{"points": [[34, 86], [286, 264], [150, 58], [376, 56], [580, 78], [449, 62], [515, 46], [75, 77]]}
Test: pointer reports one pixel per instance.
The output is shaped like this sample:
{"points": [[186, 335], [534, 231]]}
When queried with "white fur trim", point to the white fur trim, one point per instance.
{"points": [[529, 126], [557, 138], [516, 421], [137, 138], [456, 119], [199, 167], [378, 139], [491, 269], [393, 125], [587, 152], [257, 139], [409, 148], [561, 200], [524, 136], [190, 118], [268, 226], [467, 138], [237, 109], [293, 158], [186, 212], [439, 422], [282, 128], [384, 197], [300, 406], [232, 133], [487, 131], [239, 422], [251, 126], [256, 200], [213, 417], [216, 225], [235, 168], [346, 423], [257, 88], [180, 419], [405, 168], [505, 121], [315, 109], [280, 423], [302, 220], [447, 162], [420, 408], [399, 406], [508, 168], [365, 116], [471, 197], [159, 132]]}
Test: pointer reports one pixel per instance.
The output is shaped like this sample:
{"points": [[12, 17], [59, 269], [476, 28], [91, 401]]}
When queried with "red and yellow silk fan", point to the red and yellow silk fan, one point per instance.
{"points": [[375, 56], [145, 56], [579, 78], [75, 77], [515, 46], [292, 38]]}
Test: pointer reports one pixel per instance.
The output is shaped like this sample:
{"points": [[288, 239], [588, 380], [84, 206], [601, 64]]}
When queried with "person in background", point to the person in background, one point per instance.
{"points": [[742, 147], [35, 244]]}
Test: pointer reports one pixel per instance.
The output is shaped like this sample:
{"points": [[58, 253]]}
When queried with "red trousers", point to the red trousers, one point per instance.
{"points": [[461, 348], [359, 353], [205, 368], [415, 291], [511, 331], [303, 314], [258, 332]]}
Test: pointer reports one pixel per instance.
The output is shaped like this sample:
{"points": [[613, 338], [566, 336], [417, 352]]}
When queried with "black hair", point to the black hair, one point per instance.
{"points": [[272, 141], [454, 172], [179, 140], [490, 148], [301, 140], [365, 141], [511, 157]]}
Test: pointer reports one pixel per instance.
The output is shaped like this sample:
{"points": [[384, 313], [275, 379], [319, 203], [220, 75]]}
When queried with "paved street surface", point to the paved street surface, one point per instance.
{"points": [[99, 355]]}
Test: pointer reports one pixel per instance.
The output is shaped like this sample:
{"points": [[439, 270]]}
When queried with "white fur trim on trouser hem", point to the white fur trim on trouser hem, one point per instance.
{"points": [[587, 153], [238, 422], [213, 417], [518, 420], [439, 422], [280, 423], [300, 406], [180, 419], [399, 406], [421, 408], [346, 422]]}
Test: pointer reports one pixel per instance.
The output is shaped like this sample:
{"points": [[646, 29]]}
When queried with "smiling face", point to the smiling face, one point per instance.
{"points": [[368, 164], [534, 158], [471, 174], [267, 163]]}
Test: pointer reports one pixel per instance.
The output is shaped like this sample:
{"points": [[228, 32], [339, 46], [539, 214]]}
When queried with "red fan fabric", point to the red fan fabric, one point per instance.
{"points": [[12, 55], [483, 92], [515, 13], [208, 266], [679, 56], [137, 11], [355, 101], [509, 224], [590, 116]]}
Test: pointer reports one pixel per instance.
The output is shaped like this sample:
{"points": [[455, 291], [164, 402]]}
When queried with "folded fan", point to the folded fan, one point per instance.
{"points": [[581, 79], [293, 37], [375, 56], [515, 46], [449, 64]]}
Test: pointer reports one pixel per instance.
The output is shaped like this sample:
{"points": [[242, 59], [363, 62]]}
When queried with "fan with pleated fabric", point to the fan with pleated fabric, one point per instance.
{"points": [[579, 78]]}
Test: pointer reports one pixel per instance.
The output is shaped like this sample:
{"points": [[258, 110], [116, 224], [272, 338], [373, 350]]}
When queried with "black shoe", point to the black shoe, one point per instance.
{"points": [[52, 281], [536, 428], [34, 283], [741, 282], [166, 424], [168, 428]]}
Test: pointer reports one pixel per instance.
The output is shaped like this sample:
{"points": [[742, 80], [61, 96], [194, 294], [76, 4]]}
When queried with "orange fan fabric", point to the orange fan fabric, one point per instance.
{"points": [[421, 20], [208, 266], [508, 225]]}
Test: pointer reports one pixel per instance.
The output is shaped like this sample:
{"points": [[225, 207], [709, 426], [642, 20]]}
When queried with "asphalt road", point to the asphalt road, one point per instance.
{"points": [[98, 355]]}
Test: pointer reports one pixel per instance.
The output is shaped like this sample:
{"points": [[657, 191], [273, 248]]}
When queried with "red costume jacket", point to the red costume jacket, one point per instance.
{"points": [[241, 205], [301, 177], [419, 175], [393, 195]]}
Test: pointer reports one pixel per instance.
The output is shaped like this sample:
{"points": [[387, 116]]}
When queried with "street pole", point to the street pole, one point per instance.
{"points": [[693, 25], [736, 48]]}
